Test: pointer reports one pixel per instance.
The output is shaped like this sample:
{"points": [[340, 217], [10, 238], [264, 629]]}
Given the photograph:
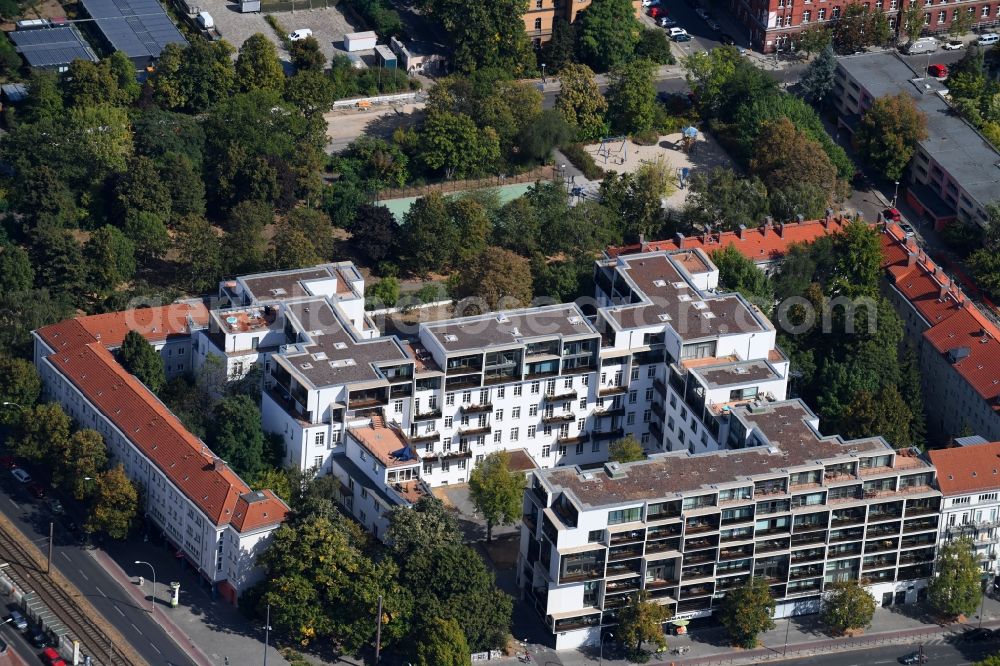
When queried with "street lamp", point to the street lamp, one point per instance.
{"points": [[267, 629], [603, 636], [895, 193], [11, 404], [153, 599], [543, 72]]}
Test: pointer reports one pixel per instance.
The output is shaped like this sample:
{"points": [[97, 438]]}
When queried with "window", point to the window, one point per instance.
{"points": [[568, 383], [651, 371], [461, 464], [449, 399], [618, 378], [806, 15], [595, 536], [538, 21], [513, 434], [562, 450], [836, 13], [536, 387], [581, 424], [432, 403], [630, 419], [533, 410], [397, 406], [585, 380], [318, 462], [550, 387], [445, 466], [465, 420], [583, 403], [624, 516], [320, 439], [645, 438], [531, 432], [466, 397], [821, 14], [448, 421], [743, 394], [788, 21], [517, 390], [497, 436], [515, 412], [547, 430], [647, 416], [546, 451], [479, 459], [986, 13], [429, 447], [942, 16], [604, 377], [649, 394], [632, 395], [595, 447], [484, 396], [446, 444], [579, 449], [635, 373], [498, 415]]}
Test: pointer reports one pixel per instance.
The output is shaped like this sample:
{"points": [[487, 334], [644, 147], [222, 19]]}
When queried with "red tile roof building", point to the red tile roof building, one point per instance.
{"points": [[194, 497], [765, 245], [958, 346]]}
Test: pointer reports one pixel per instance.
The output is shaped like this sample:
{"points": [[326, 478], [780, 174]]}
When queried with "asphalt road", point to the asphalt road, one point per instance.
{"points": [[18, 644], [945, 654], [32, 517]]}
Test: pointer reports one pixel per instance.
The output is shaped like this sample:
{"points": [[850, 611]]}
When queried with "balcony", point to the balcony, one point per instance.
{"points": [[660, 583], [701, 543], [805, 572], [463, 382], [657, 409], [879, 562], [573, 439], [624, 553], [427, 416], [920, 525], [565, 395], [808, 538], [691, 591], [660, 387], [601, 435], [424, 437], [364, 402], [447, 455], [621, 585], [700, 557], [566, 417], [475, 430], [612, 390], [631, 536], [477, 409], [530, 522], [771, 545], [736, 553], [807, 556], [663, 546], [608, 412]]}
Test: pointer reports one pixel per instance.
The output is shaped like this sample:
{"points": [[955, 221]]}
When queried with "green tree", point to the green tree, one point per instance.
{"points": [[44, 428], [200, 253], [955, 588], [149, 235], [16, 273], [110, 257], [485, 35], [85, 456], [992, 660], [375, 233], [853, 31], [885, 413], [608, 34], [452, 143], [847, 606], [244, 250], [470, 215], [984, 264], [558, 52], [87, 83], [126, 84], [580, 101], [113, 505], [859, 266], [787, 157], [627, 449], [498, 278], [142, 360], [814, 39], [292, 248], [236, 436], [962, 21], [309, 91], [44, 100], [631, 97], [307, 55], [707, 72], [817, 81], [382, 294], [911, 20], [748, 611], [655, 47], [640, 621], [496, 491], [21, 387], [724, 200], [428, 524], [888, 133], [431, 238], [141, 189], [58, 261], [739, 273], [442, 643], [378, 163], [103, 139], [257, 65], [539, 138], [159, 133], [194, 77]]}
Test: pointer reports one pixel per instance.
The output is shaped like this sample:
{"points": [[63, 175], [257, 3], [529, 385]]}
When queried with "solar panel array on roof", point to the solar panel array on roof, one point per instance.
{"points": [[52, 47], [139, 28]]}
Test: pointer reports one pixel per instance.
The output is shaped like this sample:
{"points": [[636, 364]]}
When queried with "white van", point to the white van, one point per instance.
{"points": [[989, 39], [923, 45]]}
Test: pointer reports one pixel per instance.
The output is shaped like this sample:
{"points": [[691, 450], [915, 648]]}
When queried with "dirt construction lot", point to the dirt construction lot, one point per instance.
{"points": [[328, 25], [345, 125]]}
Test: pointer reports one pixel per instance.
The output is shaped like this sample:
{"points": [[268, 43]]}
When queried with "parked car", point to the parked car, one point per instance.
{"points": [[38, 637], [914, 658], [8, 462], [683, 37], [52, 658], [18, 620], [702, 13], [56, 507], [667, 22], [674, 32], [726, 39], [988, 39], [892, 214], [938, 71], [979, 635], [923, 45], [21, 475], [713, 25], [907, 229], [656, 12], [299, 34], [36, 489], [953, 45], [650, 3]]}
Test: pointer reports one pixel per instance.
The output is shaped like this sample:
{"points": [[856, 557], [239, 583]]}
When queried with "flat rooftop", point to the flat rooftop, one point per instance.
{"points": [[791, 443], [281, 285], [139, 28], [951, 142], [333, 356], [731, 374], [52, 47], [665, 295], [385, 443], [511, 327]]}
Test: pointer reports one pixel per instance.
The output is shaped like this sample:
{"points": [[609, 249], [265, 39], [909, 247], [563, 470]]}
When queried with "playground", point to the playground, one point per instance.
{"points": [[694, 153]]}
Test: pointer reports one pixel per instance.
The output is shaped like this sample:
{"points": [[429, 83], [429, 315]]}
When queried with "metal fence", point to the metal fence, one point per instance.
{"points": [[296, 5]]}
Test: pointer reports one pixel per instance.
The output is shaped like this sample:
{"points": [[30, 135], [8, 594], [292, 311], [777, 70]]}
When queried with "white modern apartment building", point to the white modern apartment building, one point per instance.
{"points": [[969, 478], [782, 503], [203, 508]]}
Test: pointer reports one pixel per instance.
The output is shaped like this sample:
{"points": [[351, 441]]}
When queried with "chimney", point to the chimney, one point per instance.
{"points": [[944, 288], [781, 230], [679, 239], [642, 242], [911, 258], [740, 230], [800, 218], [768, 222]]}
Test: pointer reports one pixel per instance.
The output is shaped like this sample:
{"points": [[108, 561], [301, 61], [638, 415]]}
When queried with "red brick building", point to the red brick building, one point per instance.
{"points": [[774, 23]]}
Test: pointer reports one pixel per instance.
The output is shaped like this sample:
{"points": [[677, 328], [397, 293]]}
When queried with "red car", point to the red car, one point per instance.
{"points": [[52, 657], [8, 462], [656, 12], [37, 489], [892, 214], [937, 71]]}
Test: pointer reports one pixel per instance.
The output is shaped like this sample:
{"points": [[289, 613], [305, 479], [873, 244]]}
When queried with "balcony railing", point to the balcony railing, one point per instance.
{"points": [[612, 390], [663, 546], [660, 387], [566, 417], [624, 553], [475, 430], [565, 395], [573, 439], [423, 437], [427, 416], [600, 435], [477, 409]]}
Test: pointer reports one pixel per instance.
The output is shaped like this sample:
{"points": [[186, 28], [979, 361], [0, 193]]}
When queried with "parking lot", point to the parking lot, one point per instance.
{"points": [[328, 25]]}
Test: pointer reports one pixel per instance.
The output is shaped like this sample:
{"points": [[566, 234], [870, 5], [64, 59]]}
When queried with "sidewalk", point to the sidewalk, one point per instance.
{"points": [[803, 636], [208, 630]]}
